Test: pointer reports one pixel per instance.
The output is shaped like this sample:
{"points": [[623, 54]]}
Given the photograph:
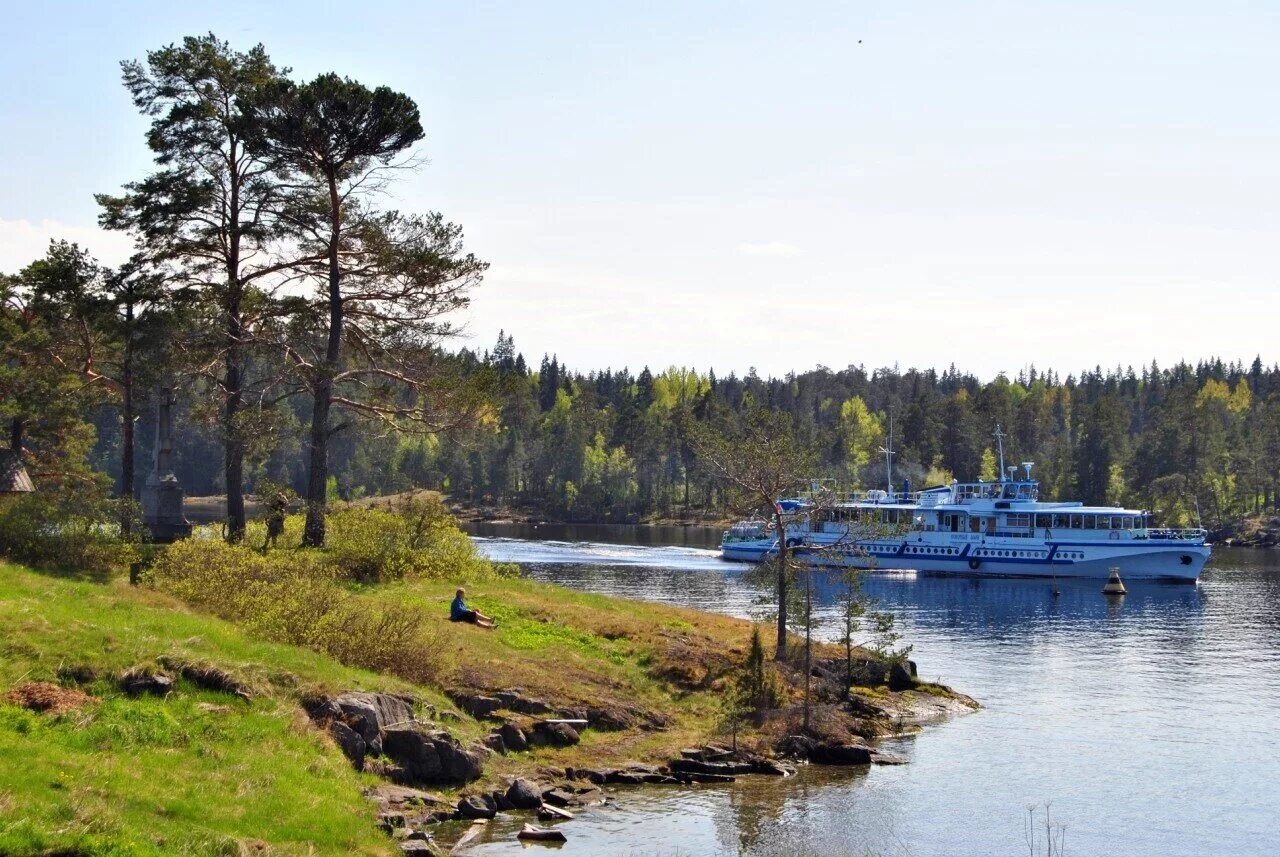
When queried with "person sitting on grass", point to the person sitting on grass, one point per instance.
{"points": [[460, 612]]}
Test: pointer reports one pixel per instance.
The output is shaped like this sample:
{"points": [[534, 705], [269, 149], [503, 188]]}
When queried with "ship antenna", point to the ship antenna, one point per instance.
{"points": [[888, 459], [999, 436]]}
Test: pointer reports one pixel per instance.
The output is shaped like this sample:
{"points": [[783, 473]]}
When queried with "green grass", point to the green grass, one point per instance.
{"points": [[196, 773], [205, 773]]}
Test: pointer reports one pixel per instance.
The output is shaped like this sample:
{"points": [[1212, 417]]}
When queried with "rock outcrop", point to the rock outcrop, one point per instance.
{"points": [[371, 714], [424, 755], [900, 677], [351, 743], [477, 806], [408, 750], [824, 752]]}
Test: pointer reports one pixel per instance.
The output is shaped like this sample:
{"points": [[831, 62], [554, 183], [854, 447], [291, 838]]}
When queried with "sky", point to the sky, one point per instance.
{"points": [[732, 185]]}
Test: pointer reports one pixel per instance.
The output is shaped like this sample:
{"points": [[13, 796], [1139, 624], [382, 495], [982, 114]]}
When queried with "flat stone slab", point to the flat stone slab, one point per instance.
{"points": [[390, 793]]}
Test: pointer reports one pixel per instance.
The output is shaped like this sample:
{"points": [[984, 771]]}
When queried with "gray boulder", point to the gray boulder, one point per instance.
{"points": [[598, 777], [524, 794], [350, 741], [460, 764], [554, 734], [832, 753], [869, 672], [513, 738], [431, 756], [371, 714], [477, 806], [796, 746], [477, 705], [900, 677], [625, 778], [697, 766]]}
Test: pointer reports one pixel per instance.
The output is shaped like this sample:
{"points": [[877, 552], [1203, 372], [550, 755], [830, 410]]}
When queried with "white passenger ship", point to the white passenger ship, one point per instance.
{"points": [[996, 528]]}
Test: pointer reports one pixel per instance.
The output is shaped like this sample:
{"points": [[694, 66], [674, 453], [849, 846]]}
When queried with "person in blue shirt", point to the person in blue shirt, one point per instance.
{"points": [[460, 612]]}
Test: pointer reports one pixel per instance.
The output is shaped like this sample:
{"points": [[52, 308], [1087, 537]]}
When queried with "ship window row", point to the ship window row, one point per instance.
{"points": [[871, 516], [931, 551], [1083, 521], [1010, 554], [997, 491]]}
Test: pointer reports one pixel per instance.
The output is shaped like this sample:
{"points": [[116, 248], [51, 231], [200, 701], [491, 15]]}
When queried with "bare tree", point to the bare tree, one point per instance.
{"points": [[758, 460]]}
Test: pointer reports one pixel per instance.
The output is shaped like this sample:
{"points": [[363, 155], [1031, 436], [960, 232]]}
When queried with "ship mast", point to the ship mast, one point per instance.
{"points": [[999, 436], [888, 459]]}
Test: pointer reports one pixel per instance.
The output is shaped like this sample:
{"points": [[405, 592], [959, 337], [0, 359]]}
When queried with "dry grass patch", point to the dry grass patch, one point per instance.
{"points": [[47, 698]]}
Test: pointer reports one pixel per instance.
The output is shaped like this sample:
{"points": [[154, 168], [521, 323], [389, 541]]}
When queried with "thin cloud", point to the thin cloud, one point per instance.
{"points": [[768, 248]]}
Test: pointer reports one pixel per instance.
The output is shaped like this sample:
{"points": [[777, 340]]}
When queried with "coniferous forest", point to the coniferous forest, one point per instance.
{"points": [[614, 444]]}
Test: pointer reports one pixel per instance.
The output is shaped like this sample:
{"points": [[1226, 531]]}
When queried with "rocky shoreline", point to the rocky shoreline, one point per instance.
{"points": [[409, 744], [1256, 531]]}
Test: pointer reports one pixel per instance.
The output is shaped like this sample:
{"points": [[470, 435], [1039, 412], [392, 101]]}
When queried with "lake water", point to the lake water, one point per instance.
{"points": [[1150, 724]]}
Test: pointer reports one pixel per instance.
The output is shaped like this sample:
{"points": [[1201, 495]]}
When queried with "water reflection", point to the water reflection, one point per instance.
{"points": [[1150, 722]]}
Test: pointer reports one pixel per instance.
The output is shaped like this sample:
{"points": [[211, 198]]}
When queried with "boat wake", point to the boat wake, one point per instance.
{"points": [[530, 552]]}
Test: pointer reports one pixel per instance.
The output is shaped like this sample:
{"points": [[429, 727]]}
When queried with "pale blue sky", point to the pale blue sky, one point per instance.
{"points": [[744, 184]]}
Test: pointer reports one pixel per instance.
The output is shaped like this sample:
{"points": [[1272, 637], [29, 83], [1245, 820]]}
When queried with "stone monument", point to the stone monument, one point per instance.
{"points": [[162, 496]]}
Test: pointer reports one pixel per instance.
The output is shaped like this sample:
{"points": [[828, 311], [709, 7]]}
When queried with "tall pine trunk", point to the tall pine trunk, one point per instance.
{"points": [[126, 419], [317, 481], [233, 443], [17, 430]]}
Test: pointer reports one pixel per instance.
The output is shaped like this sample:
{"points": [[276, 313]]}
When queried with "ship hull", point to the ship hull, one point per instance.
{"points": [[1151, 560]]}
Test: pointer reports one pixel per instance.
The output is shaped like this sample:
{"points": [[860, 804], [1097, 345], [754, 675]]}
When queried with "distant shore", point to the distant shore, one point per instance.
{"points": [[212, 508]]}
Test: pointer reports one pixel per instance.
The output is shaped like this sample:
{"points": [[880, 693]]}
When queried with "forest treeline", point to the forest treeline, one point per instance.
{"points": [[618, 445], [615, 445]]}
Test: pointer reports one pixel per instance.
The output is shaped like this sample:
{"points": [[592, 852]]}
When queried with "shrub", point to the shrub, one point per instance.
{"points": [[414, 539], [67, 529], [297, 597]]}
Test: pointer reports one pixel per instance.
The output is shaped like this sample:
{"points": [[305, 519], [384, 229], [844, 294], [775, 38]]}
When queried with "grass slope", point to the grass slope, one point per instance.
{"points": [[207, 773], [197, 773]]}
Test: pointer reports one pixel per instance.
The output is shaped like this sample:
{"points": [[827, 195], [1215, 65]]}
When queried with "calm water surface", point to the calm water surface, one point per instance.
{"points": [[1151, 725]]}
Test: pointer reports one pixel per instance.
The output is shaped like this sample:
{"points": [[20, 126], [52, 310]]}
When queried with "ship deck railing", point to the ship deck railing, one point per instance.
{"points": [[1173, 534], [880, 497]]}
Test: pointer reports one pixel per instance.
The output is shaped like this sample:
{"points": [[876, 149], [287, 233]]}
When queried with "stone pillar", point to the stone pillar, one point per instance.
{"points": [[163, 510]]}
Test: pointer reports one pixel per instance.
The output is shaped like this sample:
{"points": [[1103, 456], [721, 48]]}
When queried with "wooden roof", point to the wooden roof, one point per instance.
{"points": [[13, 476]]}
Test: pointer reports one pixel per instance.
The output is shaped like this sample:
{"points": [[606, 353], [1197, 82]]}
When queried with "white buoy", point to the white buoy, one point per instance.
{"points": [[1114, 585]]}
